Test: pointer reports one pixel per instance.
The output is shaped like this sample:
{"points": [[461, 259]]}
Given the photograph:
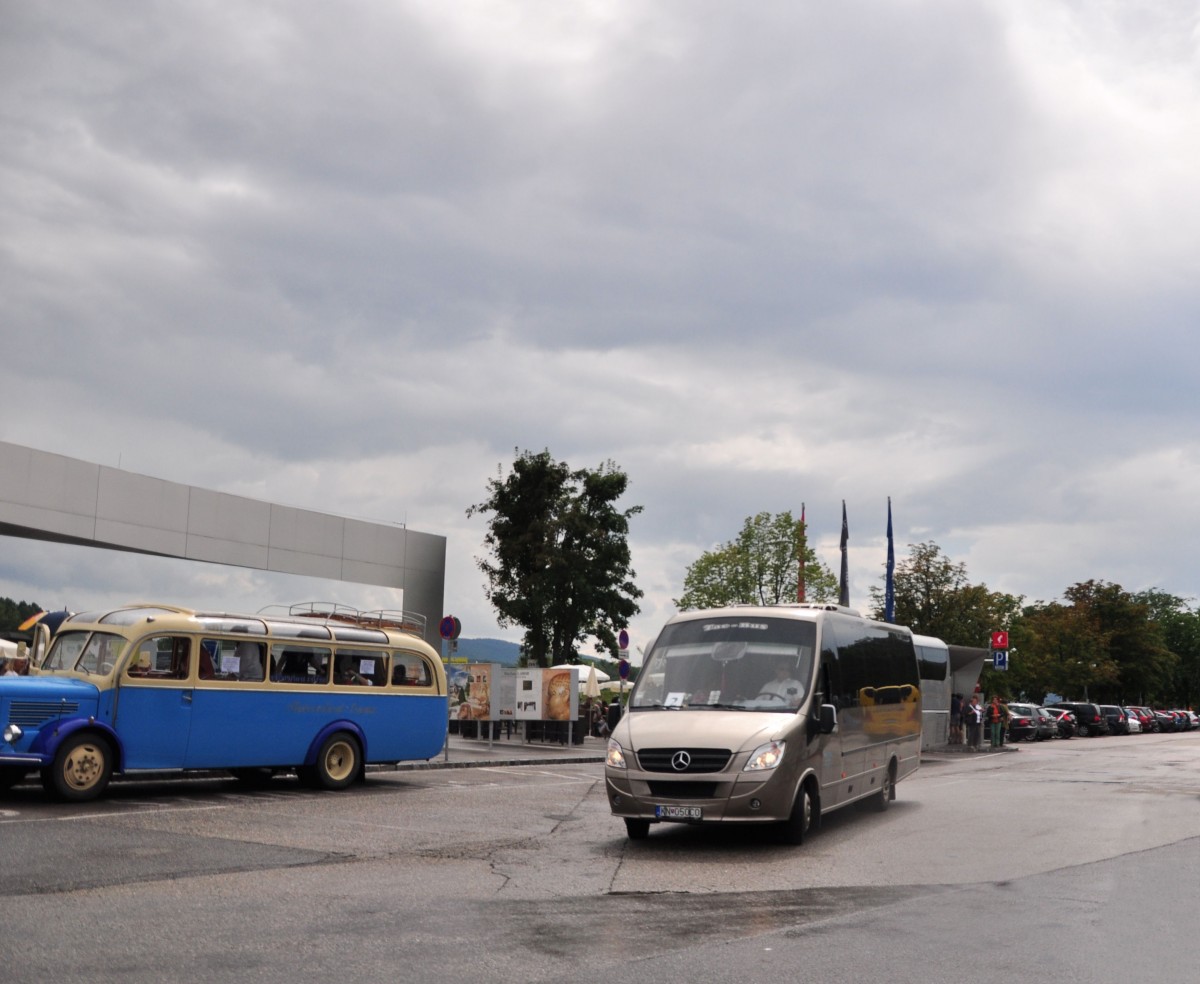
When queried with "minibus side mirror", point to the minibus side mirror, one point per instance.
{"points": [[827, 719]]}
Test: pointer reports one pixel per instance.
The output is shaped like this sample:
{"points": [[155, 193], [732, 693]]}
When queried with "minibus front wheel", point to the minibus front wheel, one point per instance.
{"points": [[804, 814], [636, 828]]}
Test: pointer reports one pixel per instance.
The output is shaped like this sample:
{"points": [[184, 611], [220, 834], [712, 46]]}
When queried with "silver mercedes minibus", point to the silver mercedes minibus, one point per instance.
{"points": [[766, 715]]}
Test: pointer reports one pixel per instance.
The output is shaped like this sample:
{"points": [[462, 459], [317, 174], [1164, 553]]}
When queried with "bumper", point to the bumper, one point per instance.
{"points": [[719, 798]]}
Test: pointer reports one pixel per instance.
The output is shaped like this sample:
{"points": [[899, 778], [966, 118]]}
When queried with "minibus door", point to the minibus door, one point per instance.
{"points": [[829, 746]]}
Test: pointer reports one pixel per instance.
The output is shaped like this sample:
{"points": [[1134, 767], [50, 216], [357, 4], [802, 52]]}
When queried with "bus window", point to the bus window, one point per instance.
{"points": [[360, 668], [100, 654], [161, 658], [409, 670], [294, 664]]}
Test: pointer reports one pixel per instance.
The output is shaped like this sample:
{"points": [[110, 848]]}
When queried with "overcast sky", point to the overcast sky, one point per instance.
{"points": [[350, 256]]}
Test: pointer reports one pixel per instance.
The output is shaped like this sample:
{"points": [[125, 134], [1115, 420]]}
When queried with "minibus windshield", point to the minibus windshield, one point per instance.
{"points": [[752, 664]]}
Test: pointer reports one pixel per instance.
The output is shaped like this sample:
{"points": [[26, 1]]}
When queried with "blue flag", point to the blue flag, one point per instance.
{"points": [[889, 591]]}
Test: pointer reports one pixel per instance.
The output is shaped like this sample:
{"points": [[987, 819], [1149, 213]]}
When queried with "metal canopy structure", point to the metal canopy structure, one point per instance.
{"points": [[51, 497]]}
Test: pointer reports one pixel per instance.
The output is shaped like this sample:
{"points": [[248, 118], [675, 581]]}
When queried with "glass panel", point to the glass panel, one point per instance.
{"points": [[295, 664], [762, 664]]}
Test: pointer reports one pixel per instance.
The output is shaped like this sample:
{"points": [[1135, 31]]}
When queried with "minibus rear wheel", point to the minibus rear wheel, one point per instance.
{"points": [[887, 789]]}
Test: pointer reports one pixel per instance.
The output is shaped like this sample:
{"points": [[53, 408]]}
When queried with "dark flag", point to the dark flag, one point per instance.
{"points": [[889, 590], [844, 588], [803, 547]]}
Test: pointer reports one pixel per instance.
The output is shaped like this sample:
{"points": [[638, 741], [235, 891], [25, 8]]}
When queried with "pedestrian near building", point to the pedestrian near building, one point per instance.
{"points": [[997, 718], [956, 719], [973, 715]]}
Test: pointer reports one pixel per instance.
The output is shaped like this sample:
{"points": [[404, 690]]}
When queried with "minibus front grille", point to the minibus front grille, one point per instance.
{"points": [[684, 760], [35, 713], [682, 790]]}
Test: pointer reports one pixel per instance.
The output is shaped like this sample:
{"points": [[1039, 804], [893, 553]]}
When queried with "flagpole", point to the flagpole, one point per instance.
{"points": [[844, 586], [889, 591], [803, 548]]}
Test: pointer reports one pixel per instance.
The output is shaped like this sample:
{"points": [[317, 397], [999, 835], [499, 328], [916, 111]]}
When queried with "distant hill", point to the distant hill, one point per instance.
{"points": [[489, 651]]}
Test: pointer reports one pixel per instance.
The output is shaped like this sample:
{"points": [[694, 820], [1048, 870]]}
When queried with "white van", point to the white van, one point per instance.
{"points": [[766, 715]]}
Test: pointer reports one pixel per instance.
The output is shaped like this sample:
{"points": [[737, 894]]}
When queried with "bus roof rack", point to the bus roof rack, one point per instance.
{"points": [[329, 611]]}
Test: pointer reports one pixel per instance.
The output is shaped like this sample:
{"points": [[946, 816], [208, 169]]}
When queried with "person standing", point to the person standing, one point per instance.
{"points": [[997, 717], [973, 714], [956, 719]]}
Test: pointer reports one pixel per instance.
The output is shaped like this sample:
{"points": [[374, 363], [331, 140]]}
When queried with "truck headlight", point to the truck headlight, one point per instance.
{"points": [[12, 733], [765, 757], [615, 756]]}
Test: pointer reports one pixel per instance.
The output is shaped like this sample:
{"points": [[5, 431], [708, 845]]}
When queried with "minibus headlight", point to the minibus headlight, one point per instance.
{"points": [[12, 733], [615, 757], [765, 757]]}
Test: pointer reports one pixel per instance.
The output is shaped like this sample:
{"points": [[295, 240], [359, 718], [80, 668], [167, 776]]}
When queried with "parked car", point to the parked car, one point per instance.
{"points": [[1133, 722], [1166, 720], [1022, 722], [1047, 724], [1115, 718], [1065, 720], [1088, 719], [1146, 716]]}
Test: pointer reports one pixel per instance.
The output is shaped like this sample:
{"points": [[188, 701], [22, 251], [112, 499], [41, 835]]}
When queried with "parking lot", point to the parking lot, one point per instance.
{"points": [[517, 871]]}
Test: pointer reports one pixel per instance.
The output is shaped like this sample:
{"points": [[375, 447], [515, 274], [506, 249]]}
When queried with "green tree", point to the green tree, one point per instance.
{"points": [[1134, 643], [760, 567], [1057, 648], [559, 561], [935, 597], [1179, 623], [13, 613]]}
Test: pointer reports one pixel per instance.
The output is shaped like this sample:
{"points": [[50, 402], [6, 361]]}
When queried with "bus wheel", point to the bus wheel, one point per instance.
{"points": [[799, 825], [887, 791], [338, 763], [637, 829], [81, 768]]}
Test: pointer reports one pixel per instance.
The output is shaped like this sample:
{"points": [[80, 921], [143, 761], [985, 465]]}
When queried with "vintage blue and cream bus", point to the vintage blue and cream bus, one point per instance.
{"points": [[318, 689]]}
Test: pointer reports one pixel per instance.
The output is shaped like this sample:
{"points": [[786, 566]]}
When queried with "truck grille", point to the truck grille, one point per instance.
{"points": [[35, 713]]}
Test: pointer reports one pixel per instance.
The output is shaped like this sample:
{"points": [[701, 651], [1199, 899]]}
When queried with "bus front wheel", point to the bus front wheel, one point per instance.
{"points": [[81, 769], [338, 763], [799, 825], [636, 828]]}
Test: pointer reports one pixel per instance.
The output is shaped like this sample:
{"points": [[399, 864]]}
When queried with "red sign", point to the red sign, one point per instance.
{"points": [[999, 640]]}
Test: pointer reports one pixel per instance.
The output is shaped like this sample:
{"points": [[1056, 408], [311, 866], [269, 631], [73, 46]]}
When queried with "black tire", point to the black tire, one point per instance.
{"points": [[1082, 731], [338, 764], [637, 829], [887, 791], [81, 768], [797, 827]]}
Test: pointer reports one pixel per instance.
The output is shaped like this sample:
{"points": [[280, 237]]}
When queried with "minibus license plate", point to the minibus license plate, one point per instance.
{"points": [[677, 812]]}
